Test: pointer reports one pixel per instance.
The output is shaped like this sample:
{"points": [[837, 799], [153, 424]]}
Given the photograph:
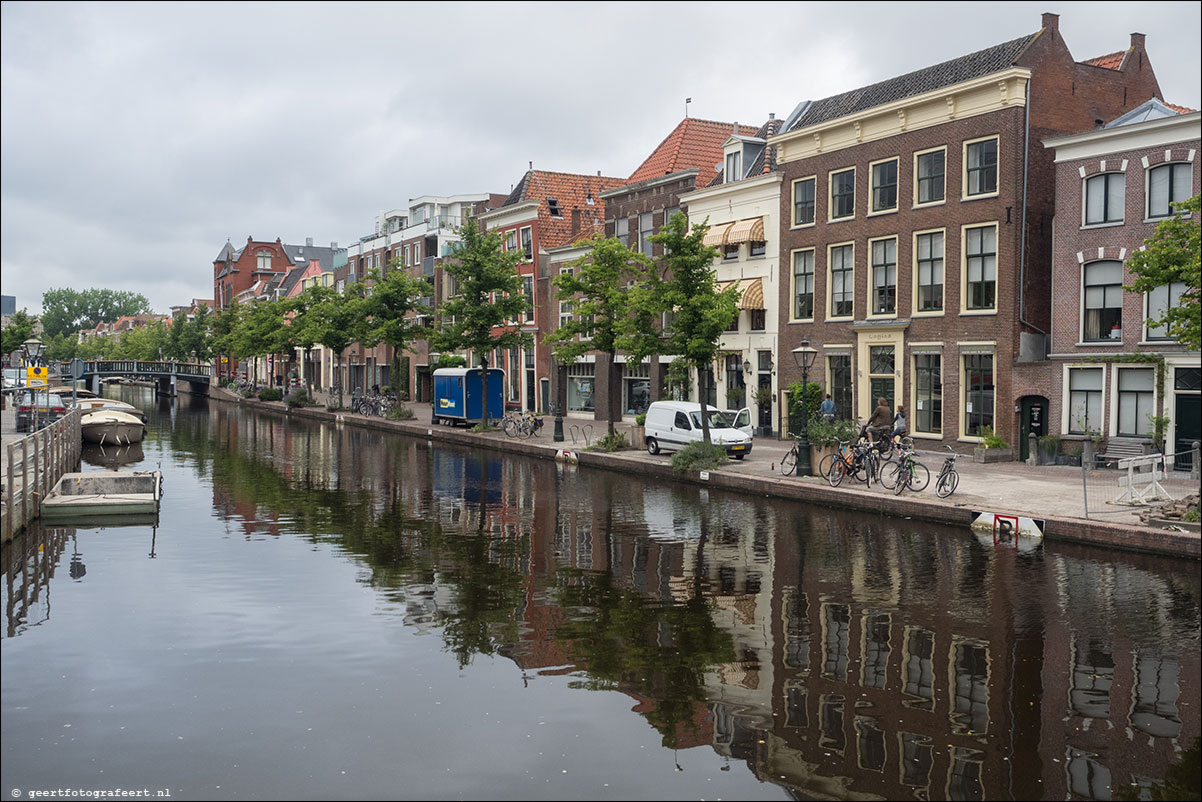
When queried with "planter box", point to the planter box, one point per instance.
{"points": [[987, 455], [1069, 459], [816, 455]]}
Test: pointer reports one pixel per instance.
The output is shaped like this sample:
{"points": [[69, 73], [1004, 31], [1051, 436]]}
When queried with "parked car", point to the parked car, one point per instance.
{"points": [[14, 377], [671, 425], [739, 419], [49, 406]]}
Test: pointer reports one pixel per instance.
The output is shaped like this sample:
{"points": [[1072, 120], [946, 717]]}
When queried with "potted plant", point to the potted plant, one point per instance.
{"points": [[824, 437], [735, 396], [763, 398], [636, 431], [1159, 424], [992, 449], [1049, 449]]}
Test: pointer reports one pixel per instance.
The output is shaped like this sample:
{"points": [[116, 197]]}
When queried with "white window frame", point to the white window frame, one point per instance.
{"points": [[965, 350], [1085, 199], [872, 313], [914, 310], [830, 284], [526, 233], [997, 284], [1145, 338], [997, 169], [1106, 342], [830, 194], [1148, 218], [1066, 397], [921, 204], [793, 202], [872, 210], [1114, 395], [793, 284]]}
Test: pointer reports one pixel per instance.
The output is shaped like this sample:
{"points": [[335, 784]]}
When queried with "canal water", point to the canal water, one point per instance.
{"points": [[324, 612]]}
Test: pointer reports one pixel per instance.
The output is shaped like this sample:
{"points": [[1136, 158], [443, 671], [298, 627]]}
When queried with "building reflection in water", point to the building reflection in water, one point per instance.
{"points": [[837, 655]]}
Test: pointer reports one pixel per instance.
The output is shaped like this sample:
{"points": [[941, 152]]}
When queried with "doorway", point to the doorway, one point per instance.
{"points": [[1033, 419]]}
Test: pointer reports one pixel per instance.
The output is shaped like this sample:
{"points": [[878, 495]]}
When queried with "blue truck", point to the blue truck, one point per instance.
{"points": [[459, 395]]}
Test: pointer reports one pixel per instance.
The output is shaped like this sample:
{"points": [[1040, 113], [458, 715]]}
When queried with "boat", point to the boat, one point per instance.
{"points": [[121, 493], [66, 390], [86, 405], [112, 457], [111, 427]]}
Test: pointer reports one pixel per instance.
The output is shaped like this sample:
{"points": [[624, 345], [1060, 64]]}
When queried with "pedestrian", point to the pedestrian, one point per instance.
{"points": [[881, 420], [899, 422], [827, 409]]}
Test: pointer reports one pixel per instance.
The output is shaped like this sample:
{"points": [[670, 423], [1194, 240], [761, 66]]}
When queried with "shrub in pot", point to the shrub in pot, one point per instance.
{"points": [[1049, 448], [992, 449]]}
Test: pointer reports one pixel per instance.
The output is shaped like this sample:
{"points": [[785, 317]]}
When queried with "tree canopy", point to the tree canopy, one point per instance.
{"points": [[66, 311], [1171, 257], [18, 330]]}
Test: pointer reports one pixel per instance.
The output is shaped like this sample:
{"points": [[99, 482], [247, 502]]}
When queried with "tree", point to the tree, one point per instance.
{"points": [[391, 307], [221, 330], [481, 316], [175, 336], [195, 340], [18, 330], [66, 311], [598, 289], [62, 347], [327, 317], [699, 313], [261, 329], [1171, 256]]}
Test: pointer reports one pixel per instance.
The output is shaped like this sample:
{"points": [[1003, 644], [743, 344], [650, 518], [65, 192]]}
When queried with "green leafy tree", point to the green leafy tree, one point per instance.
{"points": [[699, 313], [196, 337], [222, 325], [66, 311], [480, 317], [327, 317], [175, 336], [62, 347], [598, 288], [391, 307], [1172, 256], [18, 330]]}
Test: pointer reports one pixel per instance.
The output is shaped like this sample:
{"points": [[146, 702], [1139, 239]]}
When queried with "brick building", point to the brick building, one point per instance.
{"points": [[546, 210], [1104, 374], [917, 223]]}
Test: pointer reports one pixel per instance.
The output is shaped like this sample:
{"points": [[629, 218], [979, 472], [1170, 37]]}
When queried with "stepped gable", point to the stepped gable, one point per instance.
{"points": [[693, 143]]}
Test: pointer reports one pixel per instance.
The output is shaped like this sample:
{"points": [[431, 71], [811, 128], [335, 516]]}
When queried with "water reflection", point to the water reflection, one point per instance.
{"points": [[835, 655]]}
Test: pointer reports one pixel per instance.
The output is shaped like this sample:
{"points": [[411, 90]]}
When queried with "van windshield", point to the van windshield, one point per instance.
{"points": [[718, 419]]}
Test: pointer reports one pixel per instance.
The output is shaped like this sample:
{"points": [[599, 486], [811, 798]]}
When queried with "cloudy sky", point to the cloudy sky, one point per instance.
{"points": [[138, 137]]}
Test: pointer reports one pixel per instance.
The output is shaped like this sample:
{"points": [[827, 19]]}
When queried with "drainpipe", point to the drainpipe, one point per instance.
{"points": [[1022, 253]]}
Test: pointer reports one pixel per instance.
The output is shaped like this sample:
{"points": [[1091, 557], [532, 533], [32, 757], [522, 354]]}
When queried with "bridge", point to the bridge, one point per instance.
{"points": [[167, 375]]}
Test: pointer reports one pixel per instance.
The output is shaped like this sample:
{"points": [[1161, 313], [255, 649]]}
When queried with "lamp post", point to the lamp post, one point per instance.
{"points": [[804, 357], [433, 359], [32, 349], [556, 409]]}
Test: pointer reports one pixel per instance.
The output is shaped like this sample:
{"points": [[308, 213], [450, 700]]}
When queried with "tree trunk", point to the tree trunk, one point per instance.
{"points": [[484, 389], [613, 377], [705, 418], [338, 379]]}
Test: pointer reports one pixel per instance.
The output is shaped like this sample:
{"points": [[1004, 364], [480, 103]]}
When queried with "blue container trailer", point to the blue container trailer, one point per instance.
{"points": [[459, 395]]}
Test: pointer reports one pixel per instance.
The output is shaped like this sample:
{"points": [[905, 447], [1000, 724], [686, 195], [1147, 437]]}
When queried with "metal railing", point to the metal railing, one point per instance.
{"points": [[31, 467], [146, 368], [1146, 481]]}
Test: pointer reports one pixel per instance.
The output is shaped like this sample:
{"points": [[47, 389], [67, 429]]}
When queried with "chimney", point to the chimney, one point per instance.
{"points": [[1137, 40], [1050, 21], [333, 246], [308, 242], [575, 221], [771, 115]]}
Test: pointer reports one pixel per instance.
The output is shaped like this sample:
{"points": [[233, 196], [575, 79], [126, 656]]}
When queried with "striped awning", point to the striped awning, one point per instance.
{"points": [[751, 292], [751, 230], [716, 236]]}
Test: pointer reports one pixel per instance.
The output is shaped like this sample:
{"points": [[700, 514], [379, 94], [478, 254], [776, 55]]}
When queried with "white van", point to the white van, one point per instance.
{"points": [[672, 425]]}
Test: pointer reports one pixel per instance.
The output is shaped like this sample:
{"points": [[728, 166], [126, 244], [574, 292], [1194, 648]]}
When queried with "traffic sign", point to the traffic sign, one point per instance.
{"points": [[37, 375], [77, 368]]}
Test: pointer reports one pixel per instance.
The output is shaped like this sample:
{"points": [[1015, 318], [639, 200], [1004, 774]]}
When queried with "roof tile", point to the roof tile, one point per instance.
{"points": [[693, 143]]}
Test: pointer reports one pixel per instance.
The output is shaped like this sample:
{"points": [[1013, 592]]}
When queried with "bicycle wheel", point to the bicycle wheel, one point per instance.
{"points": [[789, 462], [837, 471], [510, 426], [890, 474], [824, 465], [524, 429], [947, 484], [920, 477]]}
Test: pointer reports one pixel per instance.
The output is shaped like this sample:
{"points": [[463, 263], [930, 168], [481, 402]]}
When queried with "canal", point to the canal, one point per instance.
{"points": [[325, 612]]}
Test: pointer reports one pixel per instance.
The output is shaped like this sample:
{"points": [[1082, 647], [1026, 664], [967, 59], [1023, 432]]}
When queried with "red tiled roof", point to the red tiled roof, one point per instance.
{"points": [[692, 143], [571, 192], [1110, 61], [1180, 109]]}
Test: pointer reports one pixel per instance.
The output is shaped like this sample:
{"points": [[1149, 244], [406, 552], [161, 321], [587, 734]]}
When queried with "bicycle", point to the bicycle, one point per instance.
{"points": [[906, 472], [788, 463], [853, 462], [945, 483]]}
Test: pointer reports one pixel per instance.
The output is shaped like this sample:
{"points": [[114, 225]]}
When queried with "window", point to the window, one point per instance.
{"points": [[1135, 400], [929, 250], [1160, 300], [580, 387], [405, 258], [733, 171], [928, 393], [884, 186], [978, 393], [553, 207], [839, 371], [803, 285], [264, 259], [669, 212], [759, 319], [1168, 184], [734, 322], [528, 287], [881, 361], [681, 421], [1105, 196], [1103, 319], [417, 252], [511, 241], [930, 170], [646, 229], [527, 243], [622, 230], [565, 307], [730, 251], [980, 176], [884, 277], [515, 375], [843, 288], [981, 263], [843, 194], [757, 248], [1084, 400], [803, 201]]}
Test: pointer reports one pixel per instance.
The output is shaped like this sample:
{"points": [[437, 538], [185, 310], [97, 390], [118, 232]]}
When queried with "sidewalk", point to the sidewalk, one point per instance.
{"points": [[1051, 493]]}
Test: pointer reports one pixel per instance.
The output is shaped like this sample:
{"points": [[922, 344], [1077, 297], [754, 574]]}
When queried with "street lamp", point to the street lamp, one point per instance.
{"points": [[804, 357], [433, 360], [557, 378], [33, 348]]}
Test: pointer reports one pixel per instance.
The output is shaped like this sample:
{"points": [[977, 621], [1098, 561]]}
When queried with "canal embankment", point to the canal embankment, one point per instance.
{"points": [[30, 465], [1050, 494]]}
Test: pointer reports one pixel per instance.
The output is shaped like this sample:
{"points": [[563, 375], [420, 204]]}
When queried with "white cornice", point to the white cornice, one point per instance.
{"points": [[1136, 136], [648, 183], [508, 215]]}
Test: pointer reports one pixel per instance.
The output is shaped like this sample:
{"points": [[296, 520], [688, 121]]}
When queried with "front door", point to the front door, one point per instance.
{"points": [[881, 352], [1188, 422], [1033, 420]]}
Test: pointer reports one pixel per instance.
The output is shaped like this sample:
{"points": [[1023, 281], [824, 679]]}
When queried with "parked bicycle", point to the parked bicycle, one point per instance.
{"points": [[907, 472], [788, 463], [521, 424], [945, 483], [848, 460]]}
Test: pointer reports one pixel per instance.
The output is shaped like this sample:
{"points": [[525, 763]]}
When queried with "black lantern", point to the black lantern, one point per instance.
{"points": [[804, 357]]}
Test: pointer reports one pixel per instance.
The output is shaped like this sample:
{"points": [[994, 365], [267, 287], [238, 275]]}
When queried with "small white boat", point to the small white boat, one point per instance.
{"points": [[86, 405], [111, 427], [104, 493]]}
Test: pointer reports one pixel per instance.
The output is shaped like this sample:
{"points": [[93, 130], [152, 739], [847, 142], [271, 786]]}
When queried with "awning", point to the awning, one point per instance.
{"points": [[751, 292], [716, 235], [746, 231]]}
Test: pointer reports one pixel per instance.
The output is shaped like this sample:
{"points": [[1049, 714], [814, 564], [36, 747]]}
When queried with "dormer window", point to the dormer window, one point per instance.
{"points": [[553, 207], [733, 166]]}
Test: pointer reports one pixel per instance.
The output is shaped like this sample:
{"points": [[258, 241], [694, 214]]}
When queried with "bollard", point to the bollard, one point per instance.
{"points": [[1196, 448], [1032, 449]]}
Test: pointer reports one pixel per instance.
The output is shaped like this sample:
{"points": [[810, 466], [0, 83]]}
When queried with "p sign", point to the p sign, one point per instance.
{"points": [[37, 375]]}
